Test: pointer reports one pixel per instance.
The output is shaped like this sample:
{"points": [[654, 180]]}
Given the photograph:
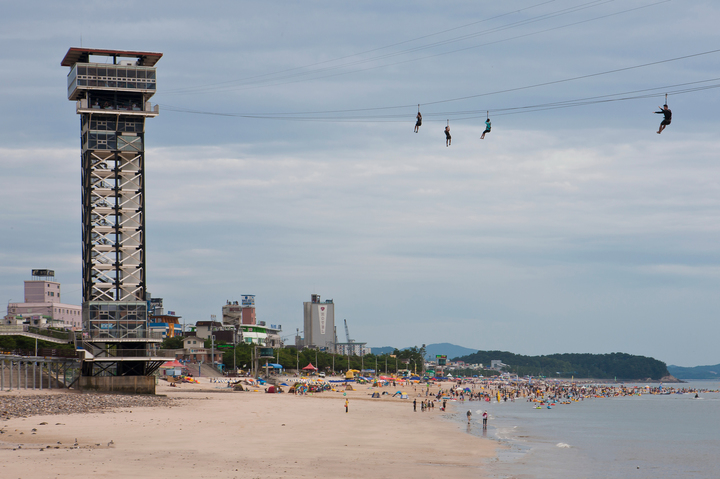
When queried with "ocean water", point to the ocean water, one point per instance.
{"points": [[648, 436]]}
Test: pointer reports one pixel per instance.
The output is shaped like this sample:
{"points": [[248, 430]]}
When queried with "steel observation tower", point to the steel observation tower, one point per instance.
{"points": [[112, 89]]}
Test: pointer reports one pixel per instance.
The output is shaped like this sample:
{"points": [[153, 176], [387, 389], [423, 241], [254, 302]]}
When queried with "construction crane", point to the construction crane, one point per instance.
{"points": [[347, 333]]}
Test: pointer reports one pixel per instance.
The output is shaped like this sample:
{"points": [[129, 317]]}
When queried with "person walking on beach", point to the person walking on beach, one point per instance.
{"points": [[469, 415], [346, 406], [444, 403], [485, 418], [414, 405]]}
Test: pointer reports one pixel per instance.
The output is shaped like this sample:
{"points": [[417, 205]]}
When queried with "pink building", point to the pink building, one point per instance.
{"points": [[43, 308]]}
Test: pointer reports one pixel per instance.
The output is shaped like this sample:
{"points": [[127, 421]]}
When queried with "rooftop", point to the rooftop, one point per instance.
{"points": [[82, 55]]}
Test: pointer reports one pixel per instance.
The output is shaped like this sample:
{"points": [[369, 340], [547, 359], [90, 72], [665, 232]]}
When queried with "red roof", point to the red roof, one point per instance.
{"points": [[172, 364], [82, 55]]}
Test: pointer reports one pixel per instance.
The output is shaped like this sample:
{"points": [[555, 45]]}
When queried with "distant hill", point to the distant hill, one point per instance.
{"points": [[383, 350], [431, 350], [597, 366], [451, 350], [697, 372]]}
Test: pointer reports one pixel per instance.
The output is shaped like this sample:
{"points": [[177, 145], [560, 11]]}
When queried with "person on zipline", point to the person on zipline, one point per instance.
{"points": [[487, 128], [448, 138], [418, 123], [667, 117]]}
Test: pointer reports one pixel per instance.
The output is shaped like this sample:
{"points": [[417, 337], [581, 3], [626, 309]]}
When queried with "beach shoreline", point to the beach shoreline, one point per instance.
{"points": [[204, 429]]}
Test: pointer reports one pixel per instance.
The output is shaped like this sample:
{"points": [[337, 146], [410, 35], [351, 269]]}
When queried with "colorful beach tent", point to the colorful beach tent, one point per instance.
{"points": [[309, 367]]}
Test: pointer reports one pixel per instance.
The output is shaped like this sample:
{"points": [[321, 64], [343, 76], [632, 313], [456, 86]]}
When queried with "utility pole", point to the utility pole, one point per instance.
{"points": [[234, 350], [297, 352], [212, 350], [212, 340]]}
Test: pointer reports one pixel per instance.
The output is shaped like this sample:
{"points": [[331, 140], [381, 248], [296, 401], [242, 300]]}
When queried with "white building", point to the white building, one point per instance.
{"points": [[319, 323]]}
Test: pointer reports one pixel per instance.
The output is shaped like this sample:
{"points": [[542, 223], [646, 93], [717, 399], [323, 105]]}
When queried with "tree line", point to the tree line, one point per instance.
{"points": [[291, 358], [597, 366]]}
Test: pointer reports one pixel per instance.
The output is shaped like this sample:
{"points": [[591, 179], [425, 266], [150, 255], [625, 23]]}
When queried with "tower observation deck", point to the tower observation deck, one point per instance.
{"points": [[112, 91]]}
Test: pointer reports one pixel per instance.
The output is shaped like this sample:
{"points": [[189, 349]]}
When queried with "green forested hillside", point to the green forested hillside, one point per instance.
{"points": [[599, 366]]}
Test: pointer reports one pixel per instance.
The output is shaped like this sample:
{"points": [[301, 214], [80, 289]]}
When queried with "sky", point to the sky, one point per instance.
{"points": [[284, 163]]}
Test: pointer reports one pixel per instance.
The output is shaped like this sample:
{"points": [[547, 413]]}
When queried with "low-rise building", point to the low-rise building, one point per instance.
{"points": [[168, 324], [194, 351], [497, 364], [235, 314], [42, 306], [205, 329], [262, 335], [351, 349]]}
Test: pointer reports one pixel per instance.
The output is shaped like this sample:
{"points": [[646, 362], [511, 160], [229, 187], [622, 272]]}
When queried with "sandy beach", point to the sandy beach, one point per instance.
{"points": [[204, 430]]}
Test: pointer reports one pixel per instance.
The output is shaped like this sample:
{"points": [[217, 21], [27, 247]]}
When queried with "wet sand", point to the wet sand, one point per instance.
{"points": [[208, 431]]}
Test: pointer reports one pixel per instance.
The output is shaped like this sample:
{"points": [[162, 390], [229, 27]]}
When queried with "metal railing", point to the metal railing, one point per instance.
{"points": [[12, 329], [121, 334], [63, 335], [43, 353], [124, 353], [50, 333], [167, 353]]}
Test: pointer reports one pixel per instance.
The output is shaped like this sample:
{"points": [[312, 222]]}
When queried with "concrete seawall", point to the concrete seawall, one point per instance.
{"points": [[118, 384]]}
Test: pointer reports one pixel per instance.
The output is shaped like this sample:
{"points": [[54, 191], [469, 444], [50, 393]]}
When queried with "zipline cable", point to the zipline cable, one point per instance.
{"points": [[497, 92], [464, 115]]}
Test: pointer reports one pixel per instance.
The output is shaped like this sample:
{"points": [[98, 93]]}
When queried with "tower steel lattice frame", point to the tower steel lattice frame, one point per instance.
{"points": [[112, 100]]}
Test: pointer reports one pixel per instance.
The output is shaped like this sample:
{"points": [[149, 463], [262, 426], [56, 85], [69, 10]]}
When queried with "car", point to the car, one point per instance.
{"points": [[322, 375]]}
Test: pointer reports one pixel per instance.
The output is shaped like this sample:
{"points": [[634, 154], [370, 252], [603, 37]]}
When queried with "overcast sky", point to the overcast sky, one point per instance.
{"points": [[566, 230]]}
